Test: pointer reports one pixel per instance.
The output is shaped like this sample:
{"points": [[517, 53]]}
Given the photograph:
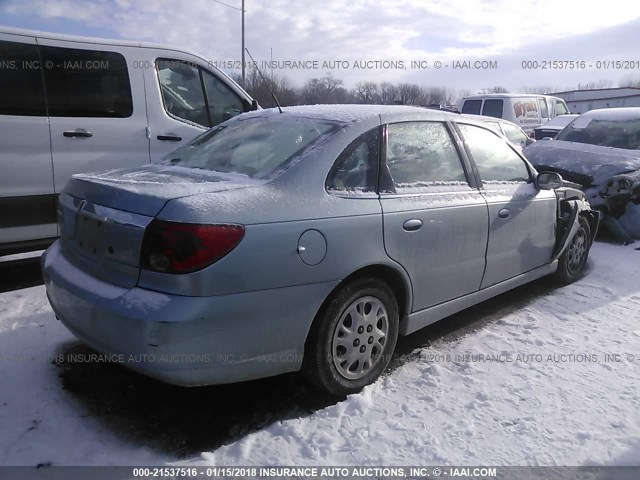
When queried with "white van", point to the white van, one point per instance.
{"points": [[525, 110], [72, 104]]}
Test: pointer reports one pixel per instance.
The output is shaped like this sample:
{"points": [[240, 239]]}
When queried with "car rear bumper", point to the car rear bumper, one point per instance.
{"points": [[185, 340]]}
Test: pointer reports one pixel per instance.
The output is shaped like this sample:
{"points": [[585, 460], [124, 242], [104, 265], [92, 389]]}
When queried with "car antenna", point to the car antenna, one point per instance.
{"points": [[273, 95]]}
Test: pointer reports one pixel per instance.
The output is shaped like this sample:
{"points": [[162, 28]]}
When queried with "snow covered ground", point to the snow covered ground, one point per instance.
{"points": [[551, 381]]}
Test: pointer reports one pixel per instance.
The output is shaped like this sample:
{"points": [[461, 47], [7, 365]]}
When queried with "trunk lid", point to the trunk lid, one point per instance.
{"points": [[103, 216]]}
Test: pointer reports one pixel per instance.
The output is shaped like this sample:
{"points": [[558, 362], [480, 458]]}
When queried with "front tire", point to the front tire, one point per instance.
{"points": [[352, 338], [573, 260]]}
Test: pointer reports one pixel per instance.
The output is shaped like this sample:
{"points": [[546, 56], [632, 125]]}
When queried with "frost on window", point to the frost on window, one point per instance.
{"points": [[496, 161], [356, 169], [422, 155]]}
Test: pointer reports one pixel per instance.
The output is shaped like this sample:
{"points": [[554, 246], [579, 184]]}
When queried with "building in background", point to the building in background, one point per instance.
{"points": [[580, 101]]}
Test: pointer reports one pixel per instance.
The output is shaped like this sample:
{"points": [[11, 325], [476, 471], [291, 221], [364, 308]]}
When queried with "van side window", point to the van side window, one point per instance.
{"points": [[472, 107], [493, 108], [193, 94], [561, 108], [86, 83], [182, 91], [495, 160], [222, 102], [544, 110], [21, 90]]}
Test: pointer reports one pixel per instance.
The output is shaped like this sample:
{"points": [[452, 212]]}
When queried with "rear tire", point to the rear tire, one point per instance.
{"points": [[573, 260], [352, 338]]}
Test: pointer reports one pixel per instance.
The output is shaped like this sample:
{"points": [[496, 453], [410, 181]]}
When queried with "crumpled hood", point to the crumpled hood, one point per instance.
{"points": [[145, 190], [582, 163]]}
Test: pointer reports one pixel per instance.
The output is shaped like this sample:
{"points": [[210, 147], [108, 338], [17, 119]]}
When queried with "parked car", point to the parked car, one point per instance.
{"points": [[305, 240], [553, 127], [525, 110], [510, 130], [73, 104], [600, 150]]}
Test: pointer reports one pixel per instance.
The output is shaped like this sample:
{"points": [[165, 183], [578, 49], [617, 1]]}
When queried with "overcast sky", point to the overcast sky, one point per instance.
{"points": [[402, 31]]}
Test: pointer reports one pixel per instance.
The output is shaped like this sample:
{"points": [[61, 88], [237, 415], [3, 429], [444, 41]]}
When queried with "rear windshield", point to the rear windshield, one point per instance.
{"points": [[608, 133], [257, 146]]}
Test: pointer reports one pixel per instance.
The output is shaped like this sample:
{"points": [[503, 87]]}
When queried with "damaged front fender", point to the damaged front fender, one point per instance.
{"points": [[572, 207]]}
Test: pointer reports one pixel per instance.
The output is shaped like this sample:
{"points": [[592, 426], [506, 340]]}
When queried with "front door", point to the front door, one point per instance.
{"points": [[522, 218]]}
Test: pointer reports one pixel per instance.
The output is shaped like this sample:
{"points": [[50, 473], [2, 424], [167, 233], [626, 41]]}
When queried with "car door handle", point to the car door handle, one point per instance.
{"points": [[171, 138], [504, 213], [412, 225], [78, 133]]}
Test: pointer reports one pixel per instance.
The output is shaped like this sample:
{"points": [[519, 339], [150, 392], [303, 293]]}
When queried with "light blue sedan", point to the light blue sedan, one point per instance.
{"points": [[305, 240]]}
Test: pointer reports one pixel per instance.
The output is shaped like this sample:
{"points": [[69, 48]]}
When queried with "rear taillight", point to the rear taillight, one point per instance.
{"points": [[172, 247]]}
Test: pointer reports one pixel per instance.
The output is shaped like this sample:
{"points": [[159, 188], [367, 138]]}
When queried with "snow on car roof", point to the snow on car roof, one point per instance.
{"points": [[352, 113], [624, 113]]}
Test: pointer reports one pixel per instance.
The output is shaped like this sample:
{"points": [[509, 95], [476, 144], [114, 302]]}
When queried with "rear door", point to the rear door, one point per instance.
{"points": [[522, 218], [185, 98], [435, 221], [96, 108], [27, 207]]}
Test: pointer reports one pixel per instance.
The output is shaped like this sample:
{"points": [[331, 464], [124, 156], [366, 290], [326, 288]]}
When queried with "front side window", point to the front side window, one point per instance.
{"points": [[544, 110], [496, 161], [257, 147], [86, 83], [561, 108], [472, 107], [493, 108], [222, 102], [21, 90], [422, 154], [182, 91], [515, 134], [196, 95], [356, 168]]}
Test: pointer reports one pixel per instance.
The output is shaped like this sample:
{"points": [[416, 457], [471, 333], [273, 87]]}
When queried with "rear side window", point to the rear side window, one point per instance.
{"points": [[493, 108], [196, 95], [472, 107], [422, 154], [496, 161], [86, 83], [21, 90], [356, 168]]}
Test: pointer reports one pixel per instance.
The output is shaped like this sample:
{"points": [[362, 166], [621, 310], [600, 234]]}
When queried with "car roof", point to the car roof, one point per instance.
{"points": [[623, 113], [358, 113], [507, 95]]}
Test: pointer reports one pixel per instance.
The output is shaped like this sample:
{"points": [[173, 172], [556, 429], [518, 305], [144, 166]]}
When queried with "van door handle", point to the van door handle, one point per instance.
{"points": [[412, 225], [504, 213], [170, 137], [78, 133]]}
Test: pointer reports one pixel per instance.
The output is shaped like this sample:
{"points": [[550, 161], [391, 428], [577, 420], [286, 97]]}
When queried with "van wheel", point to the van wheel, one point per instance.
{"points": [[352, 338], [572, 262]]}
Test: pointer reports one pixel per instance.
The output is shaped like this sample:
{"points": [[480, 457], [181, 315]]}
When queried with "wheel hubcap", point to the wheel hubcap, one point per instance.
{"points": [[359, 337], [576, 252]]}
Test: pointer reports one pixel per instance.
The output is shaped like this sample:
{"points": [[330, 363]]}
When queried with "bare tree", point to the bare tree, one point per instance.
{"points": [[366, 92], [630, 81], [542, 89], [411, 94], [258, 88], [496, 89], [388, 93], [327, 89]]}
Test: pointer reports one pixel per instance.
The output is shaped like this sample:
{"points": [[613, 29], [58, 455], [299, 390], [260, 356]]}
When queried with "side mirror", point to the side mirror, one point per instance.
{"points": [[529, 141], [254, 105], [549, 181]]}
